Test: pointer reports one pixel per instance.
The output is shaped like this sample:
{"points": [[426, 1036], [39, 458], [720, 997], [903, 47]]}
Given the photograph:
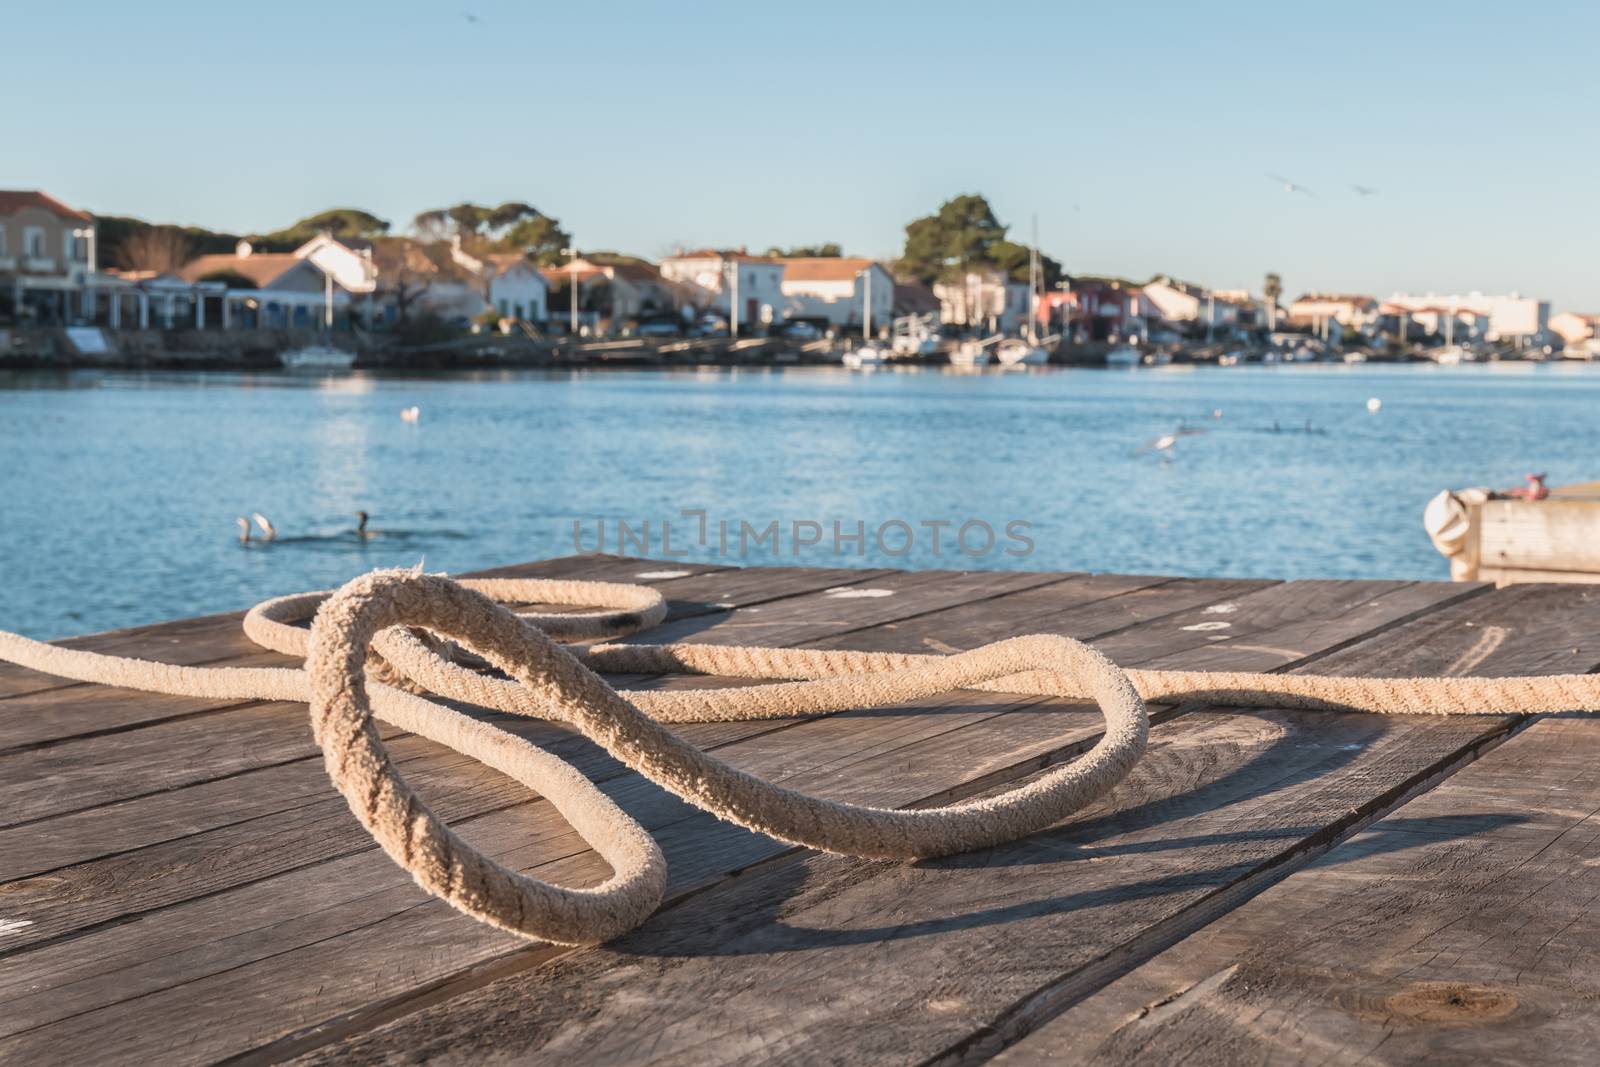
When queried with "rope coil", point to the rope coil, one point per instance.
{"points": [[384, 640]]}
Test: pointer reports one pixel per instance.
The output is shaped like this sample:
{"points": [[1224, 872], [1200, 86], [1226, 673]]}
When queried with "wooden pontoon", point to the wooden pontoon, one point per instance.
{"points": [[180, 884], [1507, 540]]}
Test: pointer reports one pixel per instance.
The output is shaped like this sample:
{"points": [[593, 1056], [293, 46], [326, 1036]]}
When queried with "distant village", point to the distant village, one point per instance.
{"points": [[466, 273]]}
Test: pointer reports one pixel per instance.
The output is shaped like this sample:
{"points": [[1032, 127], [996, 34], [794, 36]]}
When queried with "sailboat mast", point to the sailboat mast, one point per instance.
{"points": [[1035, 276]]}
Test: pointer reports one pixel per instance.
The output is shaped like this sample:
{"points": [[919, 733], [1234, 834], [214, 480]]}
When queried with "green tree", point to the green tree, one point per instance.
{"points": [[339, 221], [120, 241], [1272, 288], [1012, 258], [959, 237], [830, 250], [541, 237], [510, 227]]}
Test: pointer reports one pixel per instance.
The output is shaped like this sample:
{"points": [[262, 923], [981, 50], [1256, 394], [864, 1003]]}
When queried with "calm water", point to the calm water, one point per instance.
{"points": [[120, 490]]}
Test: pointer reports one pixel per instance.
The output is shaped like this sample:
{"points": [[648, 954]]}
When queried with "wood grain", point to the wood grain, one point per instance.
{"points": [[1458, 929], [317, 889], [822, 958]]}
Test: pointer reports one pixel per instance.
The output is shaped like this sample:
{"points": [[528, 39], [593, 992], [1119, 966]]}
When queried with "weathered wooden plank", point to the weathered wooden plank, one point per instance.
{"points": [[875, 760], [836, 611], [509, 830], [1458, 929], [824, 958], [1129, 600]]}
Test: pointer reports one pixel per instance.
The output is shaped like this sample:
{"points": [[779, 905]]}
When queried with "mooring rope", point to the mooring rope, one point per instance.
{"points": [[383, 640]]}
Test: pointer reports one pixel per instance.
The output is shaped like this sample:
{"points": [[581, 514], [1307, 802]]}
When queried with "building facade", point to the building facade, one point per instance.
{"points": [[984, 299], [747, 289], [836, 289], [1510, 317], [47, 257]]}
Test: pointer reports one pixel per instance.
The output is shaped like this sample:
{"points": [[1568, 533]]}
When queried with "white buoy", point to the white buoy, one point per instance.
{"points": [[410, 414], [1373, 403]]}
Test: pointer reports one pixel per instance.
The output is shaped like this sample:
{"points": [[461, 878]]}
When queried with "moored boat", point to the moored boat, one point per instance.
{"points": [[866, 356], [1016, 351], [320, 356]]}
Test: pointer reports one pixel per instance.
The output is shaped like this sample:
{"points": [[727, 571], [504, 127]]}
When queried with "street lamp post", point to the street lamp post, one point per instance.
{"points": [[572, 291], [866, 305]]}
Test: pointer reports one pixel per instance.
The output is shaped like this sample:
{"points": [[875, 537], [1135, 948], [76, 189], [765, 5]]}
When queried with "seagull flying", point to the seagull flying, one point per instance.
{"points": [[470, 17], [1289, 186], [1364, 190]]}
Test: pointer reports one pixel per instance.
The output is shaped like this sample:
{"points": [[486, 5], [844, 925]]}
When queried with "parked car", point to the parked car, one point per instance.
{"points": [[658, 328], [710, 326]]}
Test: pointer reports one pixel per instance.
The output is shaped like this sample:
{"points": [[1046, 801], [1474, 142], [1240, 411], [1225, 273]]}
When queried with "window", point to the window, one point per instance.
{"points": [[2, 240], [33, 242]]}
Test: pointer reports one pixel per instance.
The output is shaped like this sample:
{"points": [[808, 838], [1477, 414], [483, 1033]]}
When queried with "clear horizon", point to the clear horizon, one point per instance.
{"points": [[1143, 144]]}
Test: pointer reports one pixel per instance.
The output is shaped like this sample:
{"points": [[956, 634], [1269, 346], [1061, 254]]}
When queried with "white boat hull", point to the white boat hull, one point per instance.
{"points": [[317, 357], [865, 356], [1020, 354]]}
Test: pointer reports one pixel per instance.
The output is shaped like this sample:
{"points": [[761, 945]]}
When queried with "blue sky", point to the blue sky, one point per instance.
{"points": [[1140, 135]]}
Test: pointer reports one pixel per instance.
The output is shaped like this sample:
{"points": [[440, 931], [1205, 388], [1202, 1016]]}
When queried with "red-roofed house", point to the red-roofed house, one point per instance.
{"points": [[834, 287], [46, 257]]}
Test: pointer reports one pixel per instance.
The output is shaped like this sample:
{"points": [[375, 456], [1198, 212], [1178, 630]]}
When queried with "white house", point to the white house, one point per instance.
{"points": [[625, 289], [1576, 329], [348, 259], [268, 289], [835, 288], [748, 289], [1176, 302], [983, 298], [516, 288], [1509, 317]]}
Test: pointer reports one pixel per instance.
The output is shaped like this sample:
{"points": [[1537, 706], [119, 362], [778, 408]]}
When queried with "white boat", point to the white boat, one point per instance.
{"points": [[1029, 349], [866, 356], [1123, 356], [914, 335], [316, 357], [321, 355], [1015, 351], [971, 354], [1448, 356]]}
